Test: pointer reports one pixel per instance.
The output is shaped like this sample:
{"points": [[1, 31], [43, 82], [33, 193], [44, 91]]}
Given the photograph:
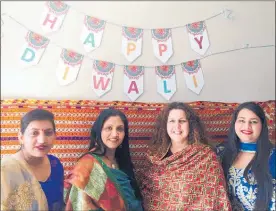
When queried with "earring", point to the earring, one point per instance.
{"points": [[120, 146]]}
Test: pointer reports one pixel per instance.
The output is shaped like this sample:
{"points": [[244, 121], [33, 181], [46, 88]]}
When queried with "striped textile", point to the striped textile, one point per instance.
{"points": [[74, 119]]}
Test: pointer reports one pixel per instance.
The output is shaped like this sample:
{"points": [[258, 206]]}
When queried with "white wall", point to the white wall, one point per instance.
{"points": [[231, 77]]}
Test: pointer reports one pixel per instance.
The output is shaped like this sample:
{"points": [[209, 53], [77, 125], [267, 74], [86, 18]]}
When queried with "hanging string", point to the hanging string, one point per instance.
{"points": [[120, 25], [152, 66]]}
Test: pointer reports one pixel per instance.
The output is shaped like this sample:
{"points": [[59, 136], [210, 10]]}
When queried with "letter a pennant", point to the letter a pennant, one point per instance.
{"points": [[198, 37], [92, 33], [102, 77], [53, 15], [133, 81]]}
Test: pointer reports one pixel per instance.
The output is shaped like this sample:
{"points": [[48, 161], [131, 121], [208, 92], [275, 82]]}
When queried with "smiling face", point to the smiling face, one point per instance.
{"points": [[178, 126], [113, 132], [38, 138], [248, 126]]}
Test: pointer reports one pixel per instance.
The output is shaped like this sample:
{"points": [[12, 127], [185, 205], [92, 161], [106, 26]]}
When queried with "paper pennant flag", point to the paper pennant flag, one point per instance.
{"points": [[68, 67], [133, 81], [198, 37], [193, 75], [162, 44], [92, 33], [33, 49], [166, 80], [131, 43], [53, 15], [102, 77]]}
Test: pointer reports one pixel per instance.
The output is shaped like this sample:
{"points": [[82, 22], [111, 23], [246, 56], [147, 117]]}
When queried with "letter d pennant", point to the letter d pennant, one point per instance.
{"points": [[33, 49], [102, 77]]}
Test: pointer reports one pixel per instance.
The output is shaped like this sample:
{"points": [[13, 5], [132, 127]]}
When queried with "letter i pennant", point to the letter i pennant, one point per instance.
{"points": [[166, 81], [102, 77], [68, 67], [33, 49], [92, 33], [133, 81], [193, 75], [132, 43], [53, 15], [162, 44], [198, 37]]}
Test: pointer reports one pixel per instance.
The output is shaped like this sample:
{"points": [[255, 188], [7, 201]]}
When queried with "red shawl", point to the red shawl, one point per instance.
{"points": [[191, 179]]}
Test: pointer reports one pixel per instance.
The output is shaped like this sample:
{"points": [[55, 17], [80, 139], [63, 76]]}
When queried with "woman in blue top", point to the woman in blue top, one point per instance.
{"points": [[31, 179], [248, 160]]}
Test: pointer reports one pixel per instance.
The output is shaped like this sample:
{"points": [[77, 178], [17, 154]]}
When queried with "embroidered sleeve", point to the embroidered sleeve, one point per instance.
{"points": [[15, 194]]}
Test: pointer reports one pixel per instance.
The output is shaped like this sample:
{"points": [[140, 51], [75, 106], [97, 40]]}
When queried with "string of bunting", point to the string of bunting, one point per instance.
{"points": [[102, 71]]}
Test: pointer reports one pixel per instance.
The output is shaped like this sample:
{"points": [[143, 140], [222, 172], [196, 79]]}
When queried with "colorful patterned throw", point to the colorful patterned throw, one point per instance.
{"points": [[74, 119]]}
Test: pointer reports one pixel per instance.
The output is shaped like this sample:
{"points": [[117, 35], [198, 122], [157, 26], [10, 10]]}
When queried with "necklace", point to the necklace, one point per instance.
{"points": [[114, 164], [248, 147]]}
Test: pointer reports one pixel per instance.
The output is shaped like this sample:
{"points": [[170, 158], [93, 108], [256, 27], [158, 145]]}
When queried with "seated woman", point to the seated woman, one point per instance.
{"points": [[31, 179], [248, 160], [181, 171], [103, 178]]}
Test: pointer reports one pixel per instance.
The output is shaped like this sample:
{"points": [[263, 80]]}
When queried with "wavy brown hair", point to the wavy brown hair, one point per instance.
{"points": [[160, 140]]}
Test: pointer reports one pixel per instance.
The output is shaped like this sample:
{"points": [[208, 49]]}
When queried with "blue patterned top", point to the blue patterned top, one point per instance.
{"points": [[124, 182], [53, 186], [243, 194]]}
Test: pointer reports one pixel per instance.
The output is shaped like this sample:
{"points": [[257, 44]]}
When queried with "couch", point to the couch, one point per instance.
{"points": [[74, 119]]}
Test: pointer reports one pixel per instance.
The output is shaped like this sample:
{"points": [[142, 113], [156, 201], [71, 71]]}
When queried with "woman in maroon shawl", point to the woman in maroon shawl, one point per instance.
{"points": [[181, 171]]}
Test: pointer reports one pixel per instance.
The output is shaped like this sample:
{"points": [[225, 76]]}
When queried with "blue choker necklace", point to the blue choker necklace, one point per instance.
{"points": [[248, 147]]}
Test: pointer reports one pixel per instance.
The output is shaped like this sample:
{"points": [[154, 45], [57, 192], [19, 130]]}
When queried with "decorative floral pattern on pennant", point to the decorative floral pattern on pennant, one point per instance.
{"points": [[132, 33], [102, 77], [57, 7], [162, 44], [198, 37], [94, 24], [191, 67], [131, 43], [165, 71], [196, 28], [71, 58], [133, 81], [134, 72], [33, 49], [161, 34], [193, 75], [53, 15], [103, 68], [166, 80], [68, 67], [36, 41]]}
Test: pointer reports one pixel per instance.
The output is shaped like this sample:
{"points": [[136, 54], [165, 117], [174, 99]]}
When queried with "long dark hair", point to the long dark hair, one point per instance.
{"points": [[260, 162], [122, 153], [161, 140]]}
